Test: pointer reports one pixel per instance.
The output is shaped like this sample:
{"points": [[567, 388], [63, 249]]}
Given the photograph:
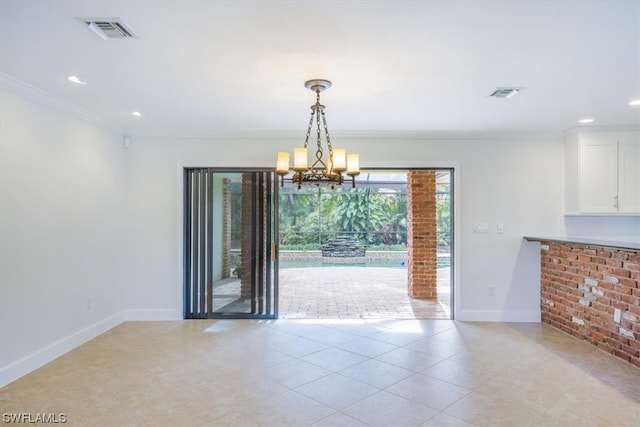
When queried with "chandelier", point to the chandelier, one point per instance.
{"points": [[321, 172]]}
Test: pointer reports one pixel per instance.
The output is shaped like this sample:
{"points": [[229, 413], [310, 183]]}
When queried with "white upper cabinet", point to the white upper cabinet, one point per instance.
{"points": [[598, 174], [629, 175], [603, 172]]}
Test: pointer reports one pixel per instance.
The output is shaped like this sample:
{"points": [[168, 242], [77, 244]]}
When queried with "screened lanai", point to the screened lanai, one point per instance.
{"points": [[368, 226]]}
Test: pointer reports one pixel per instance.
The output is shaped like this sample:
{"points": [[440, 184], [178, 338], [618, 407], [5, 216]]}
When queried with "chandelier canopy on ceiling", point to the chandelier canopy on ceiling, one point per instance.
{"points": [[322, 171]]}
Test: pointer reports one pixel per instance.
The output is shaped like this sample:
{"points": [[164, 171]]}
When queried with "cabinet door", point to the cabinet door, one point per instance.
{"points": [[629, 174], [599, 175]]}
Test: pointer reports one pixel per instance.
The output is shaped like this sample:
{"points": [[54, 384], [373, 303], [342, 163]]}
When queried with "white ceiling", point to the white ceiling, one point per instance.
{"points": [[200, 68]]}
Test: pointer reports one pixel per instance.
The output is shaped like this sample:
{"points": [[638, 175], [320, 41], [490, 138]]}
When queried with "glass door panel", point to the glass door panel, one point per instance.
{"points": [[230, 263]]}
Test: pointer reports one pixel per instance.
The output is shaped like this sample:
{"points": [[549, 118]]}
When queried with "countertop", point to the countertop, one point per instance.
{"points": [[587, 241]]}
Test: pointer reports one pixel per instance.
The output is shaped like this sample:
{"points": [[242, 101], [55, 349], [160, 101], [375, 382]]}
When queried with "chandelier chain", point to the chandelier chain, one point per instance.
{"points": [[318, 140], [306, 139], [326, 132]]}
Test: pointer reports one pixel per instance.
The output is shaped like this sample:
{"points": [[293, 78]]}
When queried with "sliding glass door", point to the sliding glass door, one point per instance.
{"points": [[230, 253]]}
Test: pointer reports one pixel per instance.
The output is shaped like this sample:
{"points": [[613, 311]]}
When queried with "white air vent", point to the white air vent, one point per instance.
{"points": [[506, 92], [108, 28]]}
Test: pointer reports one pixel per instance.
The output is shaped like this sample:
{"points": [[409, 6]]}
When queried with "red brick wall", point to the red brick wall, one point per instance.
{"points": [[421, 234], [581, 288]]}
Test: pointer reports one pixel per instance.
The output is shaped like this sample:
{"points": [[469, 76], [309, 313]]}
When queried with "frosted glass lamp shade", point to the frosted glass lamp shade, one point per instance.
{"points": [[300, 159], [282, 164], [339, 160], [353, 165]]}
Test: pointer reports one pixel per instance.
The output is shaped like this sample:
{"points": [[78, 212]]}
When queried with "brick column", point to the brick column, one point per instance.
{"points": [[421, 234]]}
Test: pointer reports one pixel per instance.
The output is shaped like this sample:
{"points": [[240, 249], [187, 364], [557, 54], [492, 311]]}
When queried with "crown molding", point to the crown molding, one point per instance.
{"points": [[369, 135], [579, 129], [45, 98], [451, 135]]}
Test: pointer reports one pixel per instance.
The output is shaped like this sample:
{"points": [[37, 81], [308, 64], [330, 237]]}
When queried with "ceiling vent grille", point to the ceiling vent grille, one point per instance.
{"points": [[108, 28], [506, 92]]}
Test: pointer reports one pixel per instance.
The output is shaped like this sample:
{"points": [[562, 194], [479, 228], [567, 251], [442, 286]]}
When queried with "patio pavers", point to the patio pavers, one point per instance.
{"points": [[357, 293]]}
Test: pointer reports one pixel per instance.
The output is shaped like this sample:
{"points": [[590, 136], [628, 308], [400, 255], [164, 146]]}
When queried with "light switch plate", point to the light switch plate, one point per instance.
{"points": [[480, 227]]}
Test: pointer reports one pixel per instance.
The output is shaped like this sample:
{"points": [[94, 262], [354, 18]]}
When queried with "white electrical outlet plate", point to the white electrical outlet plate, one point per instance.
{"points": [[616, 315], [500, 228]]}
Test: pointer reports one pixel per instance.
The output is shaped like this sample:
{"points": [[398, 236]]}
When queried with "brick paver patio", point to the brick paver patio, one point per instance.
{"points": [[357, 293]]}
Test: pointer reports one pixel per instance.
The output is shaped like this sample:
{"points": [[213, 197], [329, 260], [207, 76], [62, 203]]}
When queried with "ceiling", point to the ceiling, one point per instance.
{"points": [[204, 68]]}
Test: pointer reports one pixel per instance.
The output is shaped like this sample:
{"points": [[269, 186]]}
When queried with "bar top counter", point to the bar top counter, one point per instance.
{"points": [[634, 246]]}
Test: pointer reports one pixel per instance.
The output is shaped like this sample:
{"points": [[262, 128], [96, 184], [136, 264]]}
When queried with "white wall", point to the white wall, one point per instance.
{"points": [[62, 203], [604, 227], [515, 182], [153, 256]]}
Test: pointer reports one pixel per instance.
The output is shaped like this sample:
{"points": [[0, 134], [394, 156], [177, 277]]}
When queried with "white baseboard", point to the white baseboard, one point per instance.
{"points": [[30, 363], [33, 361], [150, 315], [499, 316]]}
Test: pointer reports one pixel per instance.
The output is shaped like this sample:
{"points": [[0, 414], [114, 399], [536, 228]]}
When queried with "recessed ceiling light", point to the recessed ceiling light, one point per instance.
{"points": [[76, 80], [137, 113], [586, 120], [635, 102]]}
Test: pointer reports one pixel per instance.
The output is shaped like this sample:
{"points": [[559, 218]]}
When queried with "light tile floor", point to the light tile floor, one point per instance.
{"points": [[357, 293], [332, 372]]}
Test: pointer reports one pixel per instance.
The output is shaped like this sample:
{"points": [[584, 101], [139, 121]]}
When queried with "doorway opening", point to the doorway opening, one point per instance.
{"points": [[380, 250]]}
